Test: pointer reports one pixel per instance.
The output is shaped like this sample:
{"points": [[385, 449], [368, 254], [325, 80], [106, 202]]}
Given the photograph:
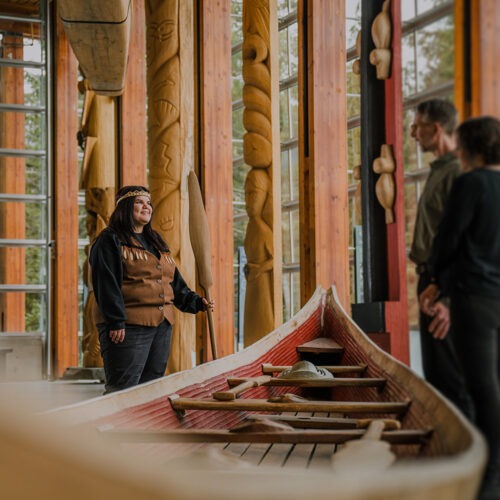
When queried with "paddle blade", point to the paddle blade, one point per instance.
{"points": [[199, 232]]}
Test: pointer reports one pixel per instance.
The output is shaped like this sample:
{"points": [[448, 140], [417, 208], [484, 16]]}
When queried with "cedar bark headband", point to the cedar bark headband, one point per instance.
{"points": [[133, 193]]}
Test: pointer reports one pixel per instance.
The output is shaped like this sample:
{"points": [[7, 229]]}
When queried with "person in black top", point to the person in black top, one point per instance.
{"points": [[465, 264], [136, 284]]}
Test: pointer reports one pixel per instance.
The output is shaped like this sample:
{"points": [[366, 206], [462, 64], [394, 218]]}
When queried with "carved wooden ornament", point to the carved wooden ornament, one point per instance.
{"points": [[381, 55], [385, 187]]}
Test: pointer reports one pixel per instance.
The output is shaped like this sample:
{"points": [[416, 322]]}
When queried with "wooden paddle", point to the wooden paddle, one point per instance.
{"points": [[367, 453], [200, 241]]}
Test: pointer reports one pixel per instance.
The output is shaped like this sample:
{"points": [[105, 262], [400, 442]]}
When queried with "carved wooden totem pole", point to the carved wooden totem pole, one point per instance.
{"points": [[167, 179], [98, 180], [257, 143]]}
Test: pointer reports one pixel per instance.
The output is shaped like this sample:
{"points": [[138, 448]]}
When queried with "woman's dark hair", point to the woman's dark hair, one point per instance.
{"points": [[122, 220], [481, 137]]}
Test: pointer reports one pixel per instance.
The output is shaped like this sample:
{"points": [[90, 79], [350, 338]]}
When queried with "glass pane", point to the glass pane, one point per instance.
{"points": [[435, 45], [236, 71], [294, 173], [285, 176], [408, 9], [284, 116], [286, 237], [293, 44], [236, 21], [353, 151], [293, 96], [423, 5], [22, 312], [239, 176], [238, 132], [287, 306], [353, 92], [296, 292], [22, 176], [353, 21], [283, 55], [22, 130], [26, 220], [19, 41], [408, 55], [295, 224], [240, 228], [286, 6], [411, 202]]}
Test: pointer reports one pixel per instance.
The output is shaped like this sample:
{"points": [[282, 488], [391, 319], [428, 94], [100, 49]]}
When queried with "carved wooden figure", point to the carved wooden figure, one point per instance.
{"points": [[259, 315], [381, 56], [257, 150], [98, 180], [385, 186], [166, 138]]}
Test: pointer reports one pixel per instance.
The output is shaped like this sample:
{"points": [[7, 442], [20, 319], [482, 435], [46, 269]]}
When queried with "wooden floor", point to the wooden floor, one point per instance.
{"points": [[285, 455]]}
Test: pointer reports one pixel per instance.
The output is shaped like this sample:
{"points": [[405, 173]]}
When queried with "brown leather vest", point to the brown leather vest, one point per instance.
{"points": [[146, 289]]}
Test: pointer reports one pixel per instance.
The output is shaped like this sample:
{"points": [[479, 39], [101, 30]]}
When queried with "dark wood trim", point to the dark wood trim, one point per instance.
{"points": [[372, 137]]}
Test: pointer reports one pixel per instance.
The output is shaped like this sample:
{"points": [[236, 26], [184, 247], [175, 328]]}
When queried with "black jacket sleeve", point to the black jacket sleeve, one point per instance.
{"points": [[184, 298], [457, 217], [107, 274]]}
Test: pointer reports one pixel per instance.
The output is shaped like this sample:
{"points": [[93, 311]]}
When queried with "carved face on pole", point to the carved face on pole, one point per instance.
{"points": [[257, 185]]}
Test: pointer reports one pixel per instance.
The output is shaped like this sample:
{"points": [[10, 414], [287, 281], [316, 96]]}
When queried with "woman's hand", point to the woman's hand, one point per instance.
{"points": [[117, 336], [209, 305], [428, 298]]}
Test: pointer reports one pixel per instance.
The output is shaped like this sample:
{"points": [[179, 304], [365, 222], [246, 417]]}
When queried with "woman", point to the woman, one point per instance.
{"points": [[465, 264], [136, 284]]}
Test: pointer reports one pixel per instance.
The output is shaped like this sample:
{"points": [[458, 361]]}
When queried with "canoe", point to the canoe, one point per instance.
{"points": [[248, 426]]}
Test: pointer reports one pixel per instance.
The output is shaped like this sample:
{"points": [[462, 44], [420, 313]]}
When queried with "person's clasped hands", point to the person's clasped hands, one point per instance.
{"points": [[430, 305]]}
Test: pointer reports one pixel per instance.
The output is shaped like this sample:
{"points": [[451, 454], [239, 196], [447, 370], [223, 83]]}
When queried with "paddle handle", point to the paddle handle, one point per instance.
{"points": [[230, 394], [211, 329], [374, 431]]}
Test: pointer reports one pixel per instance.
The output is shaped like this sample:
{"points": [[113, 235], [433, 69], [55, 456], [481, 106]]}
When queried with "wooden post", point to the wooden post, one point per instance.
{"points": [[215, 152], [324, 224], [65, 220], [132, 105]]}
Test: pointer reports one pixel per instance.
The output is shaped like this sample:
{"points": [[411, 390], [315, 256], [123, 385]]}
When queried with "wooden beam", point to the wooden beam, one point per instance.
{"points": [[323, 193], [215, 153], [65, 221], [132, 105]]}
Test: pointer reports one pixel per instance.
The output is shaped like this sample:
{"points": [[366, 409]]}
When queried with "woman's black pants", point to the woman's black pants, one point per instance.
{"points": [[476, 324], [141, 357]]}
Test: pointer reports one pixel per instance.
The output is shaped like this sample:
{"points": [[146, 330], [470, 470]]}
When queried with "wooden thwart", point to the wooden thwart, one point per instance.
{"points": [[308, 382], [268, 368], [179, 403], [407, 437]]}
